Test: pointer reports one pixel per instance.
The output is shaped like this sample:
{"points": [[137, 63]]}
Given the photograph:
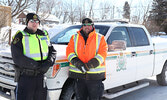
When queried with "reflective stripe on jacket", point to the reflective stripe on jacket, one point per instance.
{"points": [[35, 46], [95, 47]]}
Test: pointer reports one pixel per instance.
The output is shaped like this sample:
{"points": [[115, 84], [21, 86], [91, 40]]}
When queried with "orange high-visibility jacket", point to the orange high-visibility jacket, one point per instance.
{"points": [[95, 47]]}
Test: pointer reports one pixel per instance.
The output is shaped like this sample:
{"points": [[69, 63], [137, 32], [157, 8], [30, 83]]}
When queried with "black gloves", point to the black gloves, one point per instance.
{"points": [[93, 63], [51, 56], [44, 67], [79, 64], [49, 61]]}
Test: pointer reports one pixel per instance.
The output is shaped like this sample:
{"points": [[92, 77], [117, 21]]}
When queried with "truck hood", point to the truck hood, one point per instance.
{"points": [[61, 52]]}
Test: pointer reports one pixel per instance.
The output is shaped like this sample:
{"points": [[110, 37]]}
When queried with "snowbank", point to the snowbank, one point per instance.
{"points": [[15, 27], [159, 39]]}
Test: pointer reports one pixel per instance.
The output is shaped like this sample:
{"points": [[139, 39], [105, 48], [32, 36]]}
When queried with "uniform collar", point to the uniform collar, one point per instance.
{"points": [[39, 32]]}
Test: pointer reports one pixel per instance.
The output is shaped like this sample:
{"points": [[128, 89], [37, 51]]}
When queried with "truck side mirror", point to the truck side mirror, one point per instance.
{"points": [[117, 45]]}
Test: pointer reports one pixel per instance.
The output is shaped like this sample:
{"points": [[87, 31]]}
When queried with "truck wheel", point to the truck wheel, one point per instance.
{"points": [[68, 92], [162, 77]]}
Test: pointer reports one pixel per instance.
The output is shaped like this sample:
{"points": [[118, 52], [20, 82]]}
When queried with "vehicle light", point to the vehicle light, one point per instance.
{"points": [[55, 69], [51, 73]]}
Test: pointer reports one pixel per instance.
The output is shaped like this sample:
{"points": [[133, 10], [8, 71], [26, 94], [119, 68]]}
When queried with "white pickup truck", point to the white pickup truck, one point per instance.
{"points": [[125, 67]]}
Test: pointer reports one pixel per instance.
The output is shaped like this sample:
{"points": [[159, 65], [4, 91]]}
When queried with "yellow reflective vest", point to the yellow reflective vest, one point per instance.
{"points": [[35, 46]]}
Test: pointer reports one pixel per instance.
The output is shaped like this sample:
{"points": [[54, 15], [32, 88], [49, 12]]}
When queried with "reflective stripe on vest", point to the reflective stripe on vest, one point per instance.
{"points": [[99, 58], [100, 68], [98, 38], [76, 43], [33, 51], [71, 56]]}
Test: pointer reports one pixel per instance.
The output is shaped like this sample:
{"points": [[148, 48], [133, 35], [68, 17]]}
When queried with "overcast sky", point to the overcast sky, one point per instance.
{"points": [[132, 2], [137, 7]]}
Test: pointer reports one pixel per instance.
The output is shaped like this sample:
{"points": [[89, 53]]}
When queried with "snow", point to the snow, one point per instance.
{"points": [[52, 29], [160, 39]]}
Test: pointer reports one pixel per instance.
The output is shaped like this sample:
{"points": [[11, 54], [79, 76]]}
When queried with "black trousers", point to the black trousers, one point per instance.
{"points": [[31, 88], [88, 89]]}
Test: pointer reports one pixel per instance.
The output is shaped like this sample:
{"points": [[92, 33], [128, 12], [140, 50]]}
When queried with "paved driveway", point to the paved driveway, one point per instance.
{"points": [[152, 92]]}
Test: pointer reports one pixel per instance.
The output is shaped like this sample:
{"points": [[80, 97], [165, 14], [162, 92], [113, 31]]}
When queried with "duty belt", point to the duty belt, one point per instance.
{"points": [[29, 72]]}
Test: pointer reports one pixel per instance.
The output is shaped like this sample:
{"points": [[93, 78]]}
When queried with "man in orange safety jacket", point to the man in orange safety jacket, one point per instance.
{"points": [[86, 53]]}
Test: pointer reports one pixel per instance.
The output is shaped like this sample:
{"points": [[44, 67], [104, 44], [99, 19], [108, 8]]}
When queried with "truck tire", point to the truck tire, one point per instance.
{"points": [[162, 77], [68, 92]]}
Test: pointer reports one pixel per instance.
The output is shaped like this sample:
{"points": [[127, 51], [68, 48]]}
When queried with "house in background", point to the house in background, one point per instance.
{"points": [[22, 18], [50, 19], [45, 18]]}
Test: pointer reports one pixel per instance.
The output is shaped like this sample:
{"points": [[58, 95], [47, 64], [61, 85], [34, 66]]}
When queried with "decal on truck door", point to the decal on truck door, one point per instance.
{"points": [[121, 61]]}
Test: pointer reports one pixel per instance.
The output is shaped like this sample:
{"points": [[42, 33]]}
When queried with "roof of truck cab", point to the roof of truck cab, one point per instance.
{"points": [[118, 24]]}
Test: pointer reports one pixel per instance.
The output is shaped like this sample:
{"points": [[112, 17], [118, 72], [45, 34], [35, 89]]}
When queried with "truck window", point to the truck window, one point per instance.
{"points": [[140, 37], [119, 33], [64, 36]]}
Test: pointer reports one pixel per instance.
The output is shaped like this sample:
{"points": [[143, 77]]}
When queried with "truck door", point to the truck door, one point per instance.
{"points": [[120, 65], [143, 51]]}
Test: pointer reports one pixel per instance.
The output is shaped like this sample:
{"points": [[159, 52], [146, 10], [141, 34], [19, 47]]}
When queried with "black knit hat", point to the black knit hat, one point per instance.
{"points": [[87, 20], [32, 16]]}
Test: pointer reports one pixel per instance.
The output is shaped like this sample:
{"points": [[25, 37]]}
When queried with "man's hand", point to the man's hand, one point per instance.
{"points": [[93, 63], [45, 66], [51, 56], [79, 64]]}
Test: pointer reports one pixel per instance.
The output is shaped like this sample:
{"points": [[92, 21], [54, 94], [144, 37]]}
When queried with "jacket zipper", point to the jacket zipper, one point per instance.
{"points": [[86, 76], [40, 48]]}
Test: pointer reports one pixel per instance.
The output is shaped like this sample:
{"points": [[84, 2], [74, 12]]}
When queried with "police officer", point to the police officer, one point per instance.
{"points": [[86, 53], [32, 55]]}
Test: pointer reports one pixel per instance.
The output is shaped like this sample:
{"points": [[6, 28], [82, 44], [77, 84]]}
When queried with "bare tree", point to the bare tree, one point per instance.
{"points": [[81, 10], [58, 9], [91, 8], [38, 4], [44, 8], [152, 27], [105, 10], [145, 17], [70, 12], [17, 5], [66, 6]]}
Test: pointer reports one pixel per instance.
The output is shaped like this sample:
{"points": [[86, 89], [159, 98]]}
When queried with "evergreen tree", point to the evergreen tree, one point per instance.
{"points": [[159, 13], [126, 9]]}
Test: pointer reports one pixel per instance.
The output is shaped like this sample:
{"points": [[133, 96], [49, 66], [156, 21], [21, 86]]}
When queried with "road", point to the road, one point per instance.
{"points": [[152, 92]]}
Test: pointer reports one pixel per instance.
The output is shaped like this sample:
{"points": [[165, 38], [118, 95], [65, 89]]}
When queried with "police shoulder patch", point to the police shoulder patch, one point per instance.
{"points": [[16, 40], [16, 34]]}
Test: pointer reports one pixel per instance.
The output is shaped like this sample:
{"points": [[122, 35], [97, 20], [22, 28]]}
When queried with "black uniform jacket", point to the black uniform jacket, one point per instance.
{"points": [[20, 60]]}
